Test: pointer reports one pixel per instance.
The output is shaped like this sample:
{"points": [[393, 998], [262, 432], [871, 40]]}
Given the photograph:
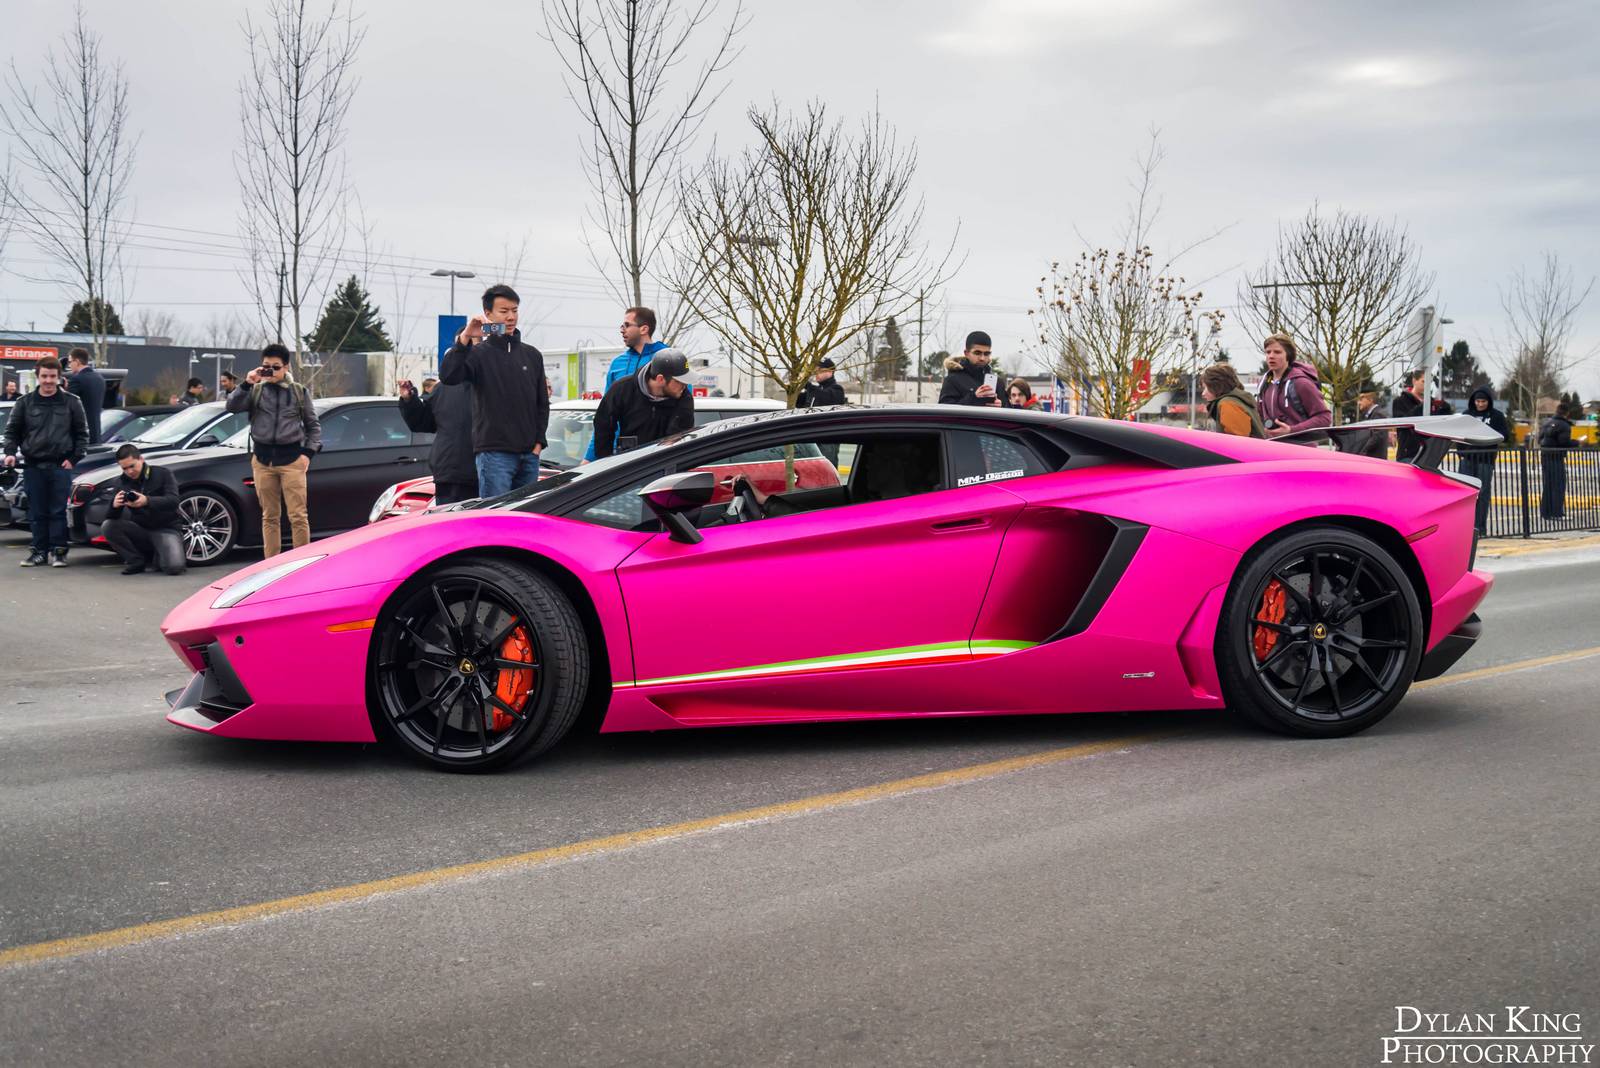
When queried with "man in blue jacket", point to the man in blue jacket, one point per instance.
{"points": [[638, 334]]}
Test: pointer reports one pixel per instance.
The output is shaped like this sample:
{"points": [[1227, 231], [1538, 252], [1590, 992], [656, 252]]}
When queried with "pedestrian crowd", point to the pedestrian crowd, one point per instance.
{"points": [[489, 411]]}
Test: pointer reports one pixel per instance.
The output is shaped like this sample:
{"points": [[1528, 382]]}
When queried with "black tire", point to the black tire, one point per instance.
{"points": [[1321, 635], [210, 526], [440, 669]]}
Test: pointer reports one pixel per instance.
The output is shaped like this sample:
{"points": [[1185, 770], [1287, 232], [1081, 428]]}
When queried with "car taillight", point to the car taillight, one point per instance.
{"points": [[82, 492]]}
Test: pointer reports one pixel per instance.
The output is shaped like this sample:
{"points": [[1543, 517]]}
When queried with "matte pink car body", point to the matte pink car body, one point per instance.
{"points": [[748, 644]]}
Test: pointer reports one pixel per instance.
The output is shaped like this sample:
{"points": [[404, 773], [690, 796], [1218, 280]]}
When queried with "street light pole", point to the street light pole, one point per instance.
{"points": [[444, 272]]}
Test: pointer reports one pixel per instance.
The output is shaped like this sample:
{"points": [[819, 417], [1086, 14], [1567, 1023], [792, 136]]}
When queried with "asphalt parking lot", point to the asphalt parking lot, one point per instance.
{"points": [[1149, 889]]}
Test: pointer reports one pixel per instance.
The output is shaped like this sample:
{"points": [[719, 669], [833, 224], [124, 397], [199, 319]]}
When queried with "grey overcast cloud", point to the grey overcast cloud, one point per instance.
{"points": [[1472, 124]]}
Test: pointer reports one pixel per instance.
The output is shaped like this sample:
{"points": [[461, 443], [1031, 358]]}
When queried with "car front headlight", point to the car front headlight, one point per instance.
{"points": [[385, 499], [261, 580]]}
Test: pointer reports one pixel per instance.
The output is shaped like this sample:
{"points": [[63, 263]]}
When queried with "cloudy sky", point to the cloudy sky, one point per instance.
{"points": [[1472, 124]]}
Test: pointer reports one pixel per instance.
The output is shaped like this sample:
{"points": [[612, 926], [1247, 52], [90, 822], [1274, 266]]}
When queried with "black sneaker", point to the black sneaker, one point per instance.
{"points": [[35, 560], [58, 558], [133, 569]]}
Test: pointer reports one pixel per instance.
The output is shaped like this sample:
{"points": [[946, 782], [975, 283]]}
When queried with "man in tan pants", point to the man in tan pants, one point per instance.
{"points": [[284, 434]]}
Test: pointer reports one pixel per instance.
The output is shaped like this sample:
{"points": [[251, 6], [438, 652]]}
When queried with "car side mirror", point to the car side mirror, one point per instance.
{"points": [[671, 496], [205, 441]]}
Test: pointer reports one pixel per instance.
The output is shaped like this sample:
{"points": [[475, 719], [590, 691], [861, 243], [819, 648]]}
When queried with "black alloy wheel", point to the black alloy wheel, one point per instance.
{"points": [[477, 665], [1322, 635]]}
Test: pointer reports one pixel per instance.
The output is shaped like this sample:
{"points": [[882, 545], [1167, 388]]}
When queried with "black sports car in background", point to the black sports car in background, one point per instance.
{"points": [[366, 447]]}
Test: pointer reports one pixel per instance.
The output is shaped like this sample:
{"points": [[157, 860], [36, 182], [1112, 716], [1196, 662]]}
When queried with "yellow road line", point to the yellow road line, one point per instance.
{"points": [[1506, 669], [150, 932], [63, 948]]}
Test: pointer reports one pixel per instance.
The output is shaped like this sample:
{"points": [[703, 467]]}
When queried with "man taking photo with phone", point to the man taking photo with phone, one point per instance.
{"points": [[50, 430], [144, 515], [284, 434], [970, 378], [510, 404]]}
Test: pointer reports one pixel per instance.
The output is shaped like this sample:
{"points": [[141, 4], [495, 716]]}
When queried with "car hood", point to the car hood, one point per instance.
{"points": [[99, 468]]}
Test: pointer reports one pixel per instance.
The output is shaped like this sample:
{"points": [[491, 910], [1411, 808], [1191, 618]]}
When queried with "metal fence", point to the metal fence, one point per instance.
{"points": [[1533, 490]]}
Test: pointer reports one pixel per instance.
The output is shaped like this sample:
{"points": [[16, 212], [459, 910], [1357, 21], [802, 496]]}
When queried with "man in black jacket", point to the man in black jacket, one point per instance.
{"points": [[446, 413], [50, 430], [646, 407], [1479, 462], [89, 386], [144, 515], [1408, 405], [968, 378], [824, 391], [510, 405]]}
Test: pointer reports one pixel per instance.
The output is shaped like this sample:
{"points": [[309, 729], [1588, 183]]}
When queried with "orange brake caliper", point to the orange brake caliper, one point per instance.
{"points": [[1273, 602], [514, 686]]}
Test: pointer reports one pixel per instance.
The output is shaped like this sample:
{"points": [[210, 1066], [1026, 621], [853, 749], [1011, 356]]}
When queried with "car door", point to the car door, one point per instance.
{"points": [[366, 448], [864, 585]]}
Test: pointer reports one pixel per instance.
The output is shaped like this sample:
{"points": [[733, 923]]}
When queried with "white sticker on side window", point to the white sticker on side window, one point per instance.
{"points": [[993, 476]]}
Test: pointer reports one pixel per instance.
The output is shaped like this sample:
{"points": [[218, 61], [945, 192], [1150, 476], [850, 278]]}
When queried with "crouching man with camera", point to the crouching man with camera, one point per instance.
{"points": [[144, 515], [284, 434]]}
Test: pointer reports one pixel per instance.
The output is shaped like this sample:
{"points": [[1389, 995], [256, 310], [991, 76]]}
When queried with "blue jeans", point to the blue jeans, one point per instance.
{"points": [[502, 472], [47, 486]]}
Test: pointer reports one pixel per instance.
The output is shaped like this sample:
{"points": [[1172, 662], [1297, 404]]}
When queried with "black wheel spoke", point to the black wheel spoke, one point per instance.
{"points": [[444, 714], [514, 665], [1316, 576], [1277, 654], [1351, 587], [424, 644], [1281, 628], [1305, 680], [449, 618], [505, 632], [1366, 669], [469, 625], [477, 711], [1299, 598], [1364, 606], [418, 704], [1333, 685], [1378, 643], [494, 698]]}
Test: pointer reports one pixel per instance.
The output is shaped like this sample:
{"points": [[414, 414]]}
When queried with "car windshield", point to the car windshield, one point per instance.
{"points": [[174, 430], [568, 435]]}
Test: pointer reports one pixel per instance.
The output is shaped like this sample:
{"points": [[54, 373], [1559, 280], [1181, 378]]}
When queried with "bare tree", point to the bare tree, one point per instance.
{"points": [[77, 149], [1344, 286], [1541, 308], [630, 72], [293, 101], [160, 322], [804, 242], [1116, 320], [230, 330]]}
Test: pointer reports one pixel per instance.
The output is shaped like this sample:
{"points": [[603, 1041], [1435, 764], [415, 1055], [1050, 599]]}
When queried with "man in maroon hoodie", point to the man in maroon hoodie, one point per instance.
{"points": [[1290, 398]]}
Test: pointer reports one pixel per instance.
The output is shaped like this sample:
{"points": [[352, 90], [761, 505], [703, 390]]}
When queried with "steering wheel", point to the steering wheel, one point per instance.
{"points": [[744, 505]]}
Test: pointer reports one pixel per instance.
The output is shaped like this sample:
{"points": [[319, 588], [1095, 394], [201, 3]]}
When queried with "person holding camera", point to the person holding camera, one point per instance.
{"points": [[657, 401], [510, 404], [824, 390], [969, 378], [144, 515], [446, 413], [284, 434], [50, 430]]}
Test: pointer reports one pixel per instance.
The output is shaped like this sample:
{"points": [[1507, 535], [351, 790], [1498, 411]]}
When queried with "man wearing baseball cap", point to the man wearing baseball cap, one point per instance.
{"points": [[824, 391], [646, 407]]}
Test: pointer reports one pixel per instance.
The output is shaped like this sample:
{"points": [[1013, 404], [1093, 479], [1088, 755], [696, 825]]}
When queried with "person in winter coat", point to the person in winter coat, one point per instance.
{"points": [[89, 386], [51, 432], [285, 434], [1232, 409], [1291, 398], [446, 413], [638, 335], [1374, 443], [1479, 462], [144, 515], [510, 404], [1408, 405], [1554, 440], [12, 391], [1020, 395], [654, 403], [966, 379], [825, 390]]}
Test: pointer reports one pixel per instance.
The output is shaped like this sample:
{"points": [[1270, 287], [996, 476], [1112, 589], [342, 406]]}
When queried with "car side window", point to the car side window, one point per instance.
{"points": [[622, 510], [228, 425], [370, 427], [980, 457]]}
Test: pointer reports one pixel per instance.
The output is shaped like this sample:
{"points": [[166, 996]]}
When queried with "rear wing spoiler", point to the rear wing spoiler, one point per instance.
{"points": [[1438, 433]]}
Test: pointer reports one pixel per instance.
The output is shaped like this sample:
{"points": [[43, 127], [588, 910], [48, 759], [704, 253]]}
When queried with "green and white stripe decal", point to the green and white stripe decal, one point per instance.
{"points": [[906, 655]]}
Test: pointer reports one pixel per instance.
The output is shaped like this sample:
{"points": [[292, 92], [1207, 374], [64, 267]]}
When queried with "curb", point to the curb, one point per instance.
{"points": [[1501, 547]]}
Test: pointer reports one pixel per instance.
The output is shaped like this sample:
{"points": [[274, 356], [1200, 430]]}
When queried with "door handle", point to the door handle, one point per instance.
{"points": [[971, 522], [408, 460]]}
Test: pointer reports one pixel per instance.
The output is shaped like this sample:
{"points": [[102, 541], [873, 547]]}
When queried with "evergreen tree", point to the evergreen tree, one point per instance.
{"points": [[1459, 373], [349, 323], [893, 360], [933, 364], [80, 321]]}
